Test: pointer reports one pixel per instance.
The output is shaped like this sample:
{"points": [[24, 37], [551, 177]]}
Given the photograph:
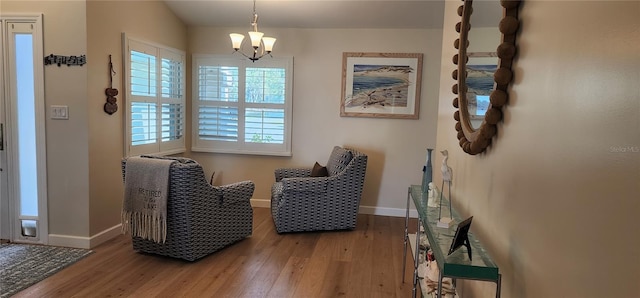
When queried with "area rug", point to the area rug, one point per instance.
{"points": [[23, 265]]}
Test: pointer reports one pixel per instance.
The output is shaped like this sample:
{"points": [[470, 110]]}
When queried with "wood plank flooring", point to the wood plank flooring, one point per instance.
{"points": [[365, 262]]}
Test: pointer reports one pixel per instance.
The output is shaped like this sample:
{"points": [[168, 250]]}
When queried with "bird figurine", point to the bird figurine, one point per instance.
{"points": [[447, 172]]}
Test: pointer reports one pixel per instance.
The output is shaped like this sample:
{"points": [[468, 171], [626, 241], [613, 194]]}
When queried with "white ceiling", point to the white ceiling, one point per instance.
{"points": [[311, 13], [328, 13]]}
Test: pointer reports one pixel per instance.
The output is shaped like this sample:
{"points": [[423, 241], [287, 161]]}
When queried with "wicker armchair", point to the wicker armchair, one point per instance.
{"points": [[300, 202], [201, 218]]}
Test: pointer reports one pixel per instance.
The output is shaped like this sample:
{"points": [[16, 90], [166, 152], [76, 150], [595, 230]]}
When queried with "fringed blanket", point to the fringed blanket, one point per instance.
{"points": [[146, 187]]}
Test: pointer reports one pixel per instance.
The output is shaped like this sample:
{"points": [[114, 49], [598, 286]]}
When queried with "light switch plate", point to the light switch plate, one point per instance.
{"points": [[60, 112]]}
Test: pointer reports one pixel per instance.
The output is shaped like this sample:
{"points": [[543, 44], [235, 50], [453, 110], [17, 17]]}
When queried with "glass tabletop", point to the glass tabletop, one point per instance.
{"points": [[457, 264]]}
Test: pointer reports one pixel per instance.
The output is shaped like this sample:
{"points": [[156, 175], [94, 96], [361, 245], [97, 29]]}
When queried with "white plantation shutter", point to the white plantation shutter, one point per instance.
{"points": [[218, 83], [264, 126], [172, 122], [242, 107], [143, 123], [172, 75], [265, 101], [143, 72], [218, 123], [172, 101], [218, 106], [155, 93]]}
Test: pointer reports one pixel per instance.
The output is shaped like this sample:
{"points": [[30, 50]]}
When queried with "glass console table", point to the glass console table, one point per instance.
{"points": [[457, 265]]}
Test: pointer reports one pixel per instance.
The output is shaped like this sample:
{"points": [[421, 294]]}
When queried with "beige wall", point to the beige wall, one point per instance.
{"points": [[85, 186], [67, 140], [84, 152], [396, 147], [555, 198], [106, 21]]}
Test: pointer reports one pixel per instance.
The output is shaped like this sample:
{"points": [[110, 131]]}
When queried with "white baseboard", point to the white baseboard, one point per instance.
{"points": [[110, 233], [69, 241], [85, 242], [260, 203], [105, 235], [395, 212]]}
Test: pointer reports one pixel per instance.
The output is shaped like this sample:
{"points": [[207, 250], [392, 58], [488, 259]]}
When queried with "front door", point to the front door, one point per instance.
{"points": [[23, 213]]}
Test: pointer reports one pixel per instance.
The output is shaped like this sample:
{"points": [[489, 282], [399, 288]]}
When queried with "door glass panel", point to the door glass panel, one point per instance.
{"points": [[26, 125]]}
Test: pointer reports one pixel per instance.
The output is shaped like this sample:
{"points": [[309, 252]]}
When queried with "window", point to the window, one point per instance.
{"points": [[242, 107], [155, 99]]}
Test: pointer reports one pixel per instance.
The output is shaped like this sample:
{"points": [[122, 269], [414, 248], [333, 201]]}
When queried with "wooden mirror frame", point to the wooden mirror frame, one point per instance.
{"points": [[474, 141]]}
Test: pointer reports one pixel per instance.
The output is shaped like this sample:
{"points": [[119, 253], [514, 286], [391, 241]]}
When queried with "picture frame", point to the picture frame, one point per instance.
{"points": [[481, 67], [462, 237], [381, 85]]}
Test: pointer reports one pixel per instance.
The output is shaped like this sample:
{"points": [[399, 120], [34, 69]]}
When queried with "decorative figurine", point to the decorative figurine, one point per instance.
{"points": [[432, 196], [447, 174]]}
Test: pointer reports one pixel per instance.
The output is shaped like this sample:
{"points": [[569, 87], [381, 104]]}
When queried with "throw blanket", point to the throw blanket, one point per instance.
{"points": [[146, 187]]}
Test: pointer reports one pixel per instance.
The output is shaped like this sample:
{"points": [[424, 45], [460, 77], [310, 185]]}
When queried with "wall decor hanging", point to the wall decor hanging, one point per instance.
{"points": [[476, 132], [67, 60], [111, 106], [381, 85]]}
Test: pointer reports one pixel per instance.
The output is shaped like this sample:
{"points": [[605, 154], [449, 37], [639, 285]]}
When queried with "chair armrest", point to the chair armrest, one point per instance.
{"points": [[292, 173], [237, 192], [308, 184]]}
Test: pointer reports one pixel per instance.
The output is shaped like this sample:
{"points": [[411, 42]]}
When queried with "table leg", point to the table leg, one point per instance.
{"points": [[417, 258], [439, 294], [498, 286], [455, 286], [406, 237]]}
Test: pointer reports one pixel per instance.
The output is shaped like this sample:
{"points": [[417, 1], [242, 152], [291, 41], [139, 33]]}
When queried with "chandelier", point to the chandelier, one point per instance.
{"points": [[256, 40]]}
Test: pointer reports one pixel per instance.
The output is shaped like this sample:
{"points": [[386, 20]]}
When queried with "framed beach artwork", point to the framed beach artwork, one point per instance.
{"points": [[480, 83], [381, 85]]}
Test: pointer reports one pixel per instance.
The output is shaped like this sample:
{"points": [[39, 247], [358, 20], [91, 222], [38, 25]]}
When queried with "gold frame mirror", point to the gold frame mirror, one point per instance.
{"points": [[476, 140]]}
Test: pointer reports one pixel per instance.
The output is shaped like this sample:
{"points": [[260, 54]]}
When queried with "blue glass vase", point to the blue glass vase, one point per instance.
{"points": [[427, 172]]}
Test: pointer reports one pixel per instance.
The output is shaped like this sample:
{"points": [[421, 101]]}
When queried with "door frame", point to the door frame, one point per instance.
{"points": [[9, 180], [5, 221]]}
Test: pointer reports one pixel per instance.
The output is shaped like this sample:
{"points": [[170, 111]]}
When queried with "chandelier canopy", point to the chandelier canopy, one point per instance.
{"points": [[257, 40]]}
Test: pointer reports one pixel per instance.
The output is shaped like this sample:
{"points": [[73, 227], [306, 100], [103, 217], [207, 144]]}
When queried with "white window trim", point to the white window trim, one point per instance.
{"points": [[198, 145], [160, 51]]}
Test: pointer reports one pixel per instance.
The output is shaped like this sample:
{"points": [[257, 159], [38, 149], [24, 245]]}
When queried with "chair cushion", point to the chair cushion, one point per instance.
{"points": [[319, 171], [338, 160]]}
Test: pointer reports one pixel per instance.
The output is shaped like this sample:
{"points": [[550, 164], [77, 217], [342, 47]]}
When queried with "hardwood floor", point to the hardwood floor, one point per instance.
{"points": [[365, 262]]}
